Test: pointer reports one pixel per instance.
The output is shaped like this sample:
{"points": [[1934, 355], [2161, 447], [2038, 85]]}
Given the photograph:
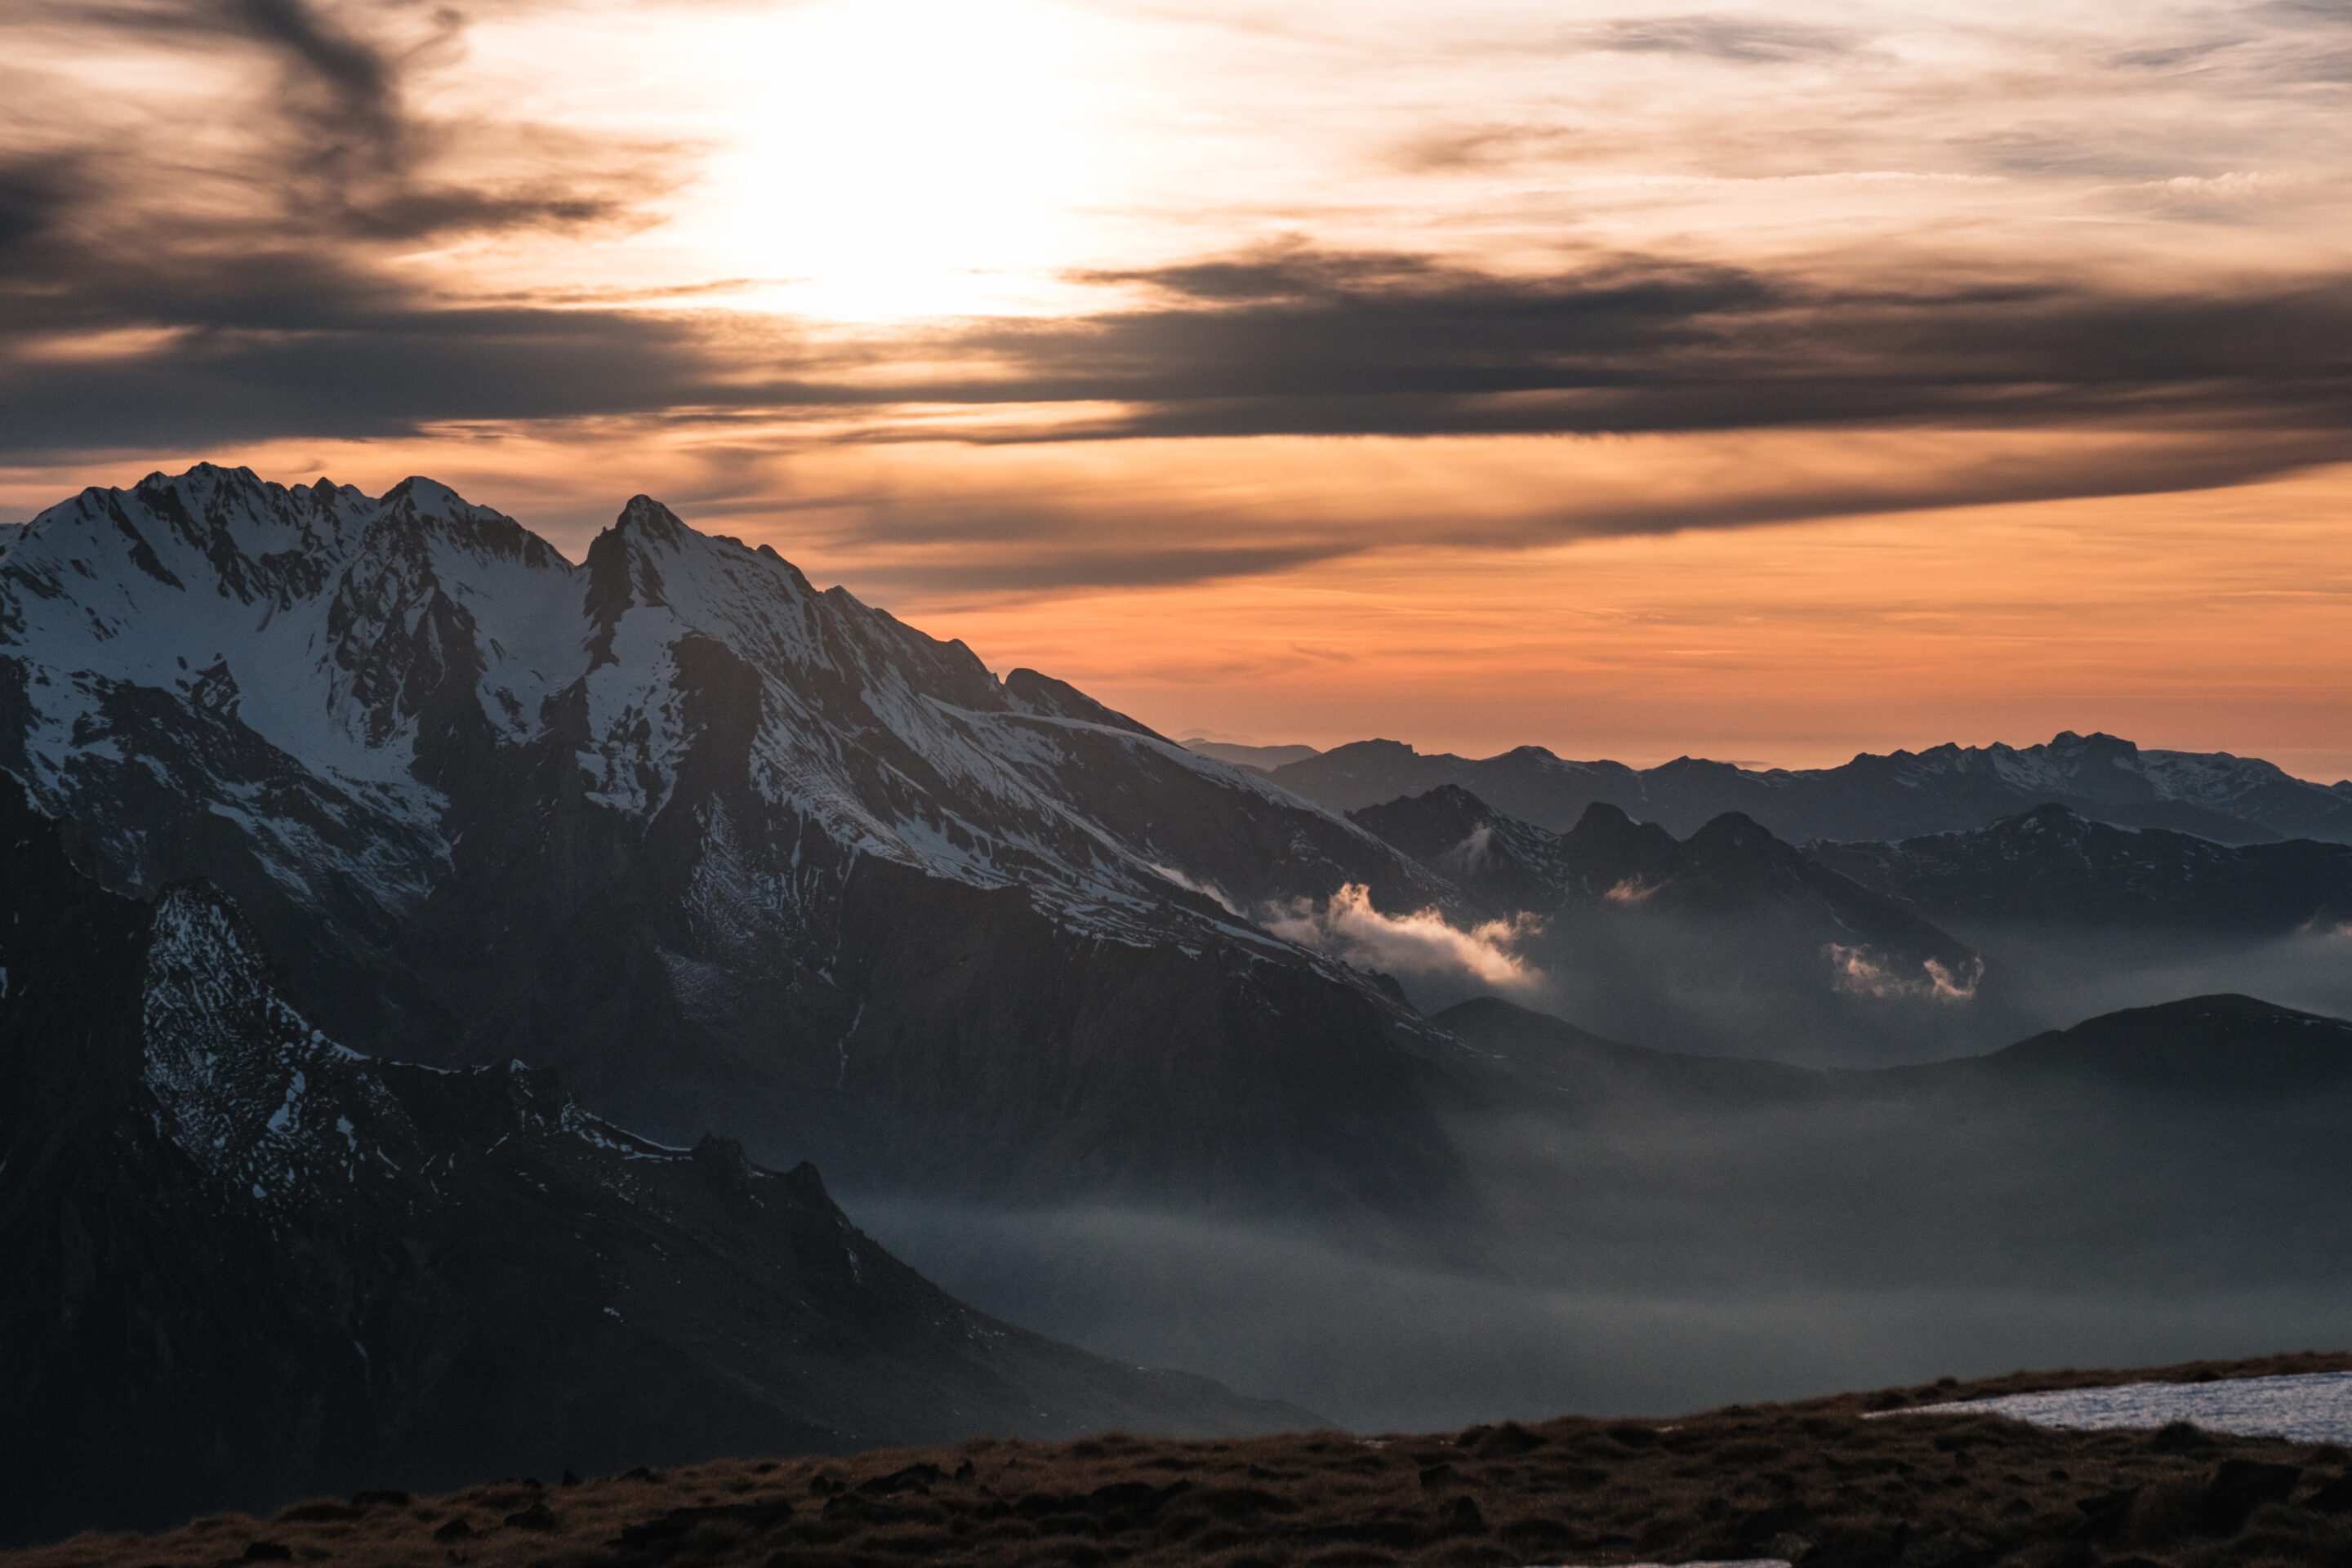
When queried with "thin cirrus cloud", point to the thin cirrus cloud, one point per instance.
{"points": [[287, 274], [1739, 39]]}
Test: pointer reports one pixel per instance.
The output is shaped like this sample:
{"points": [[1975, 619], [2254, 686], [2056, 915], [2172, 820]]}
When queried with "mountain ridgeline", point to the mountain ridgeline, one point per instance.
{"points": [[729, 853], [1948, 788]]}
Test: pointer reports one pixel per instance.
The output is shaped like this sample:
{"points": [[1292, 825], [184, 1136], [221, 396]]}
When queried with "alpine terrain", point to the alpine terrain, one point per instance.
{"points": [[727, 852], [246, 1264]]}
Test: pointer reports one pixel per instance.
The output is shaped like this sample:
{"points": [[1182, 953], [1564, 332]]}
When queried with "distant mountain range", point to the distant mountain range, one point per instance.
{"points": [[2050, 866], [735, 855], [1729, 939], [1731, 868], [2231, 800], [246, 1264]]}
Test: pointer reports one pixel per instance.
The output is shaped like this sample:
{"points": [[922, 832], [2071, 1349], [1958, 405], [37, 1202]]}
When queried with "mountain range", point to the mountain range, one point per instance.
{"points": [[1948, 788], [435, 973], [1730, 868], [1729, 939], [2053, 866]]}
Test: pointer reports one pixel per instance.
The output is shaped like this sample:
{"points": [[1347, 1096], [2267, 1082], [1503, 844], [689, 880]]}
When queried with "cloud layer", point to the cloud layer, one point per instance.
{"points": [[1821, 226]]}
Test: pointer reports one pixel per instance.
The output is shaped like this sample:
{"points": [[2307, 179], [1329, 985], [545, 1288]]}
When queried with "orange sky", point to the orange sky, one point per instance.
{"points": [[2213, 621], [1766, 382]]}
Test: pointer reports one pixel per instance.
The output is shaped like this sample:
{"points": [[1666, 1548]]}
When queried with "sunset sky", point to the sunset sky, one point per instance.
{"points": [[1766, 384]]}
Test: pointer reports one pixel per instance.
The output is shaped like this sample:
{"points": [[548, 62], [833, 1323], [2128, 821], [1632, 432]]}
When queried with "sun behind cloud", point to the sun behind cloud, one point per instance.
{"points": [[903, 158]]}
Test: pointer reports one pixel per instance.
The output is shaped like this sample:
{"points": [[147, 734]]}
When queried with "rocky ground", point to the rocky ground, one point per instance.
{"points": [[1817, 1482]]}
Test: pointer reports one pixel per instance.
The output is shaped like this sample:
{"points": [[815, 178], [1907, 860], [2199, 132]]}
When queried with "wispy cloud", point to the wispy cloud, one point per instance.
{"points": [[1746, 39], [1424, 942]]}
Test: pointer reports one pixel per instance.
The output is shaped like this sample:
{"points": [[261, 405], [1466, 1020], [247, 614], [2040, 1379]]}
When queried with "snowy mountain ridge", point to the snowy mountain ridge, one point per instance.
{"points": [[2101, 766], [669, 818], [340, 630]]}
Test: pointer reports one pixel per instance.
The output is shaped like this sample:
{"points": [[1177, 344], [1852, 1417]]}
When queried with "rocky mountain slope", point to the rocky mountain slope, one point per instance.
{"points": [[728, 851], [1731, 868], [1729, 940], [2051, 865], [246, 1264], [2231, 800]]}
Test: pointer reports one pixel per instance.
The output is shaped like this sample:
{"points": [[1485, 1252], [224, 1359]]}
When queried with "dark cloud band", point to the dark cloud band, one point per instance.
{"points": [[130, 319]]}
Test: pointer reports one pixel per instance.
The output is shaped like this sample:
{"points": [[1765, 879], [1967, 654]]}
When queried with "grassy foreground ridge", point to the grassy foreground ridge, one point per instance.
{"points": [[1813, 1481]]}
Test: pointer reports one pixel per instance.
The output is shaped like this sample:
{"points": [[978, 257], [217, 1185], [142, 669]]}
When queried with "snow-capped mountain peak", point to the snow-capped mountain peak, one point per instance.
{"points": [[473, 794]]}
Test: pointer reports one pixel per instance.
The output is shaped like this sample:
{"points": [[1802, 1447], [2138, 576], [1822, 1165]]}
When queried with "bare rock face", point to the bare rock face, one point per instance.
{"points": [[248, 1264]]}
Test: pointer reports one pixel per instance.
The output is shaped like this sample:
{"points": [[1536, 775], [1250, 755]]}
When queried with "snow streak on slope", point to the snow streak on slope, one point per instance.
{"points": [[2309, 1407]]}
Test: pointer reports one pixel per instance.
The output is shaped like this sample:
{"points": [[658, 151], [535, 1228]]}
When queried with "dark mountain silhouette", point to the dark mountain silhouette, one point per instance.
{"points": [[1507, 865], [1636, 924], [2200, 1051], [2206, 1050], [247, 1265], [1730, 868], [2053, 866], [2157, 1153], [1944, 789]]}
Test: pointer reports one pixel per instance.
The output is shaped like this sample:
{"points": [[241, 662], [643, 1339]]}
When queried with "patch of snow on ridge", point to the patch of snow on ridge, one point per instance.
{"points": [[2304, 1407], [2212, 779], [251, 1093]]}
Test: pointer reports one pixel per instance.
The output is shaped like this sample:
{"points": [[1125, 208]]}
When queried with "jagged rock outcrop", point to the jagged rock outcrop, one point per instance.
{"points": [[246, 1264]]}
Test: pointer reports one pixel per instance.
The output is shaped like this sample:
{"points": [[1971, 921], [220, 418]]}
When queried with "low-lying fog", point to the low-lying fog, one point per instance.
{"points": [[1720, 989], [2062, 975], [1639, 1259], [1376, 1344]]}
